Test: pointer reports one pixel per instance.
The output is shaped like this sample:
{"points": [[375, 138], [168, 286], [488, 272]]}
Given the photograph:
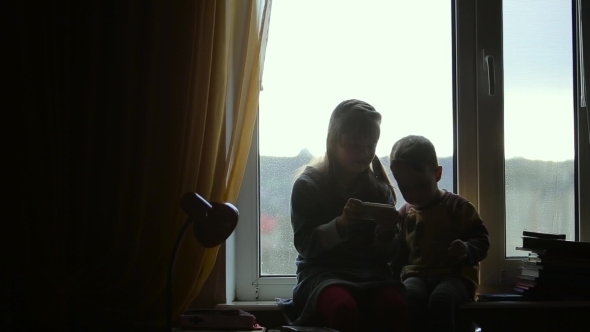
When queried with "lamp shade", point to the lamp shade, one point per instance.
{"points": [[213, 222]]}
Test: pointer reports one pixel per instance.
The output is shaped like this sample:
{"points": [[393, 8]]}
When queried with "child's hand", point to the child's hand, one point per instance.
{"points": [[387, 220], [458, 250], [351, 213]]}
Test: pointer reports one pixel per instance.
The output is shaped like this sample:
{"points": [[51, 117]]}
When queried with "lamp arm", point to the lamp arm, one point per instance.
{"points": [[171, 263]]}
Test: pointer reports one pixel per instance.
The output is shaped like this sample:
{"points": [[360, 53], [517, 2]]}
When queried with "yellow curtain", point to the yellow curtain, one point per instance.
{"points": [[228, 165], [121, 110]]}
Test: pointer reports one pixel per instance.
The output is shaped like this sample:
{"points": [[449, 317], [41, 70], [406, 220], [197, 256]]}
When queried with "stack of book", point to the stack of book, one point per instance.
{"points": [[555, 269]]}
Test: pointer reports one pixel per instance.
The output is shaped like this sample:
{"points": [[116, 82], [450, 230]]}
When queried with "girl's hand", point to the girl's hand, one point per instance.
{"points": [[458, 249], [387, 220], [351, 213]]}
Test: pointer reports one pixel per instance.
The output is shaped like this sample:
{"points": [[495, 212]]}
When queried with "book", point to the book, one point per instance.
{"points": [[261, 329], [541, 235], [520, 288], [532, 264], [529, 278], [565, 274], [525, 283], [220, 320], [493, 297], [564, 247], [530, 272], [553, 290], [306, 329], [552, 254], [564, 266], [544, 258]]}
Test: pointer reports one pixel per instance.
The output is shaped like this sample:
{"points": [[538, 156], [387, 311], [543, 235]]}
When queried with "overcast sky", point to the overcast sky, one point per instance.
{"points": [[396, 55]]}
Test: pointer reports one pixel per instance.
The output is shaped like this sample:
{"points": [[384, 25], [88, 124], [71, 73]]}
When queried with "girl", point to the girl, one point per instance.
{"points": [[343, 280]]}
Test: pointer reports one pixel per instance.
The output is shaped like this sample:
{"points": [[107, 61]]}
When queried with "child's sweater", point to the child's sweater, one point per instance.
{"points": [[425, 235]]}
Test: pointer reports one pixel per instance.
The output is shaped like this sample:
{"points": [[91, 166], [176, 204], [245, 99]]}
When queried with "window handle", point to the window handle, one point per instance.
{"points": [[491, 68]]}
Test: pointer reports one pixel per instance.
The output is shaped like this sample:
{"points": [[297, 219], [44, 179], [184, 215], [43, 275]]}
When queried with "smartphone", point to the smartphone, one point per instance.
{"points": [[371, 210]]}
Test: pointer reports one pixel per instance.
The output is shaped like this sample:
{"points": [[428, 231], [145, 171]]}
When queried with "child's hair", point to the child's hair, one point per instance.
{"points": [[415, 151], [361, 120]]}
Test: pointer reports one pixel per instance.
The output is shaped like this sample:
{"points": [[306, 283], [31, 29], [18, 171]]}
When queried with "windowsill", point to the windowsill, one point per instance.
{"points": [[249, 305], [526, 304], [272, 305]]}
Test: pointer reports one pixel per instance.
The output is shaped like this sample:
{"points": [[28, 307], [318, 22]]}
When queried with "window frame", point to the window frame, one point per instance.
{"points": [[478, 119], [582, 115]]}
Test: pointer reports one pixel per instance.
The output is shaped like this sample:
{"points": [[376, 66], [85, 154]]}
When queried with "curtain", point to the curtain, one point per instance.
{"points": [[244, 63], [120, 107]]}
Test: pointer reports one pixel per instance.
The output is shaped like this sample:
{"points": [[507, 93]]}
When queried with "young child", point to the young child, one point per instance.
{"points": [[441, 238], [343, 277]]}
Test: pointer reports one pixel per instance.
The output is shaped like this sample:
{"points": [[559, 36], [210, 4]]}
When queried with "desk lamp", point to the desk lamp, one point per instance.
{"points": [[212, 223]]}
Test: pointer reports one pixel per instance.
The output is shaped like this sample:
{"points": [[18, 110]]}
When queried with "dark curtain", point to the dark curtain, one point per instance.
{"points": [[115, 109]]}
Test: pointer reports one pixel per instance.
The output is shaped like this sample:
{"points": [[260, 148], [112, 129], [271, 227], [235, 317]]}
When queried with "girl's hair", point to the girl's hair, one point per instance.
{"points": [[359, 119]]}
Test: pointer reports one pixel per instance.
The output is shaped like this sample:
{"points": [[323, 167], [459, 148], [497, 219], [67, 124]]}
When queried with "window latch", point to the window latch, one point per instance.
{"points": [[490, 67]]}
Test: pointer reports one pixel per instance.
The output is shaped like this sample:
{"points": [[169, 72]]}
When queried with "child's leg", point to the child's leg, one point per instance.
{"points": [[390, 310], [417, 294], [339, 309], [444, 300]]}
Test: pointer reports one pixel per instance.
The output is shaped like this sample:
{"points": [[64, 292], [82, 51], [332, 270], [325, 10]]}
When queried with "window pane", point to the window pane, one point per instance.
{"points": [[538, 119], [396, 55]]}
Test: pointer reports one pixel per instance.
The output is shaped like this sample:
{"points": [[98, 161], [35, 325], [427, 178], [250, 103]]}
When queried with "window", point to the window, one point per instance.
{"points": [[538, 92], [498, 100], [306, 77]]}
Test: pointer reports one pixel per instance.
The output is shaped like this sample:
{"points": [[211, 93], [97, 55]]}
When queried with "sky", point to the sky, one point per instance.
{"points": [[397, 55]]}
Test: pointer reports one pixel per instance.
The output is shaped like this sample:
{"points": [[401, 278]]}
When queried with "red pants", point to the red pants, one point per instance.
{"points": [[383, 309]]}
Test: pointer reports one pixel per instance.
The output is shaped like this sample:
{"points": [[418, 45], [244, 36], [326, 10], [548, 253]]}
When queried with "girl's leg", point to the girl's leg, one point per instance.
{"points": [[390, 310], [339, 309], [444, 300]]}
